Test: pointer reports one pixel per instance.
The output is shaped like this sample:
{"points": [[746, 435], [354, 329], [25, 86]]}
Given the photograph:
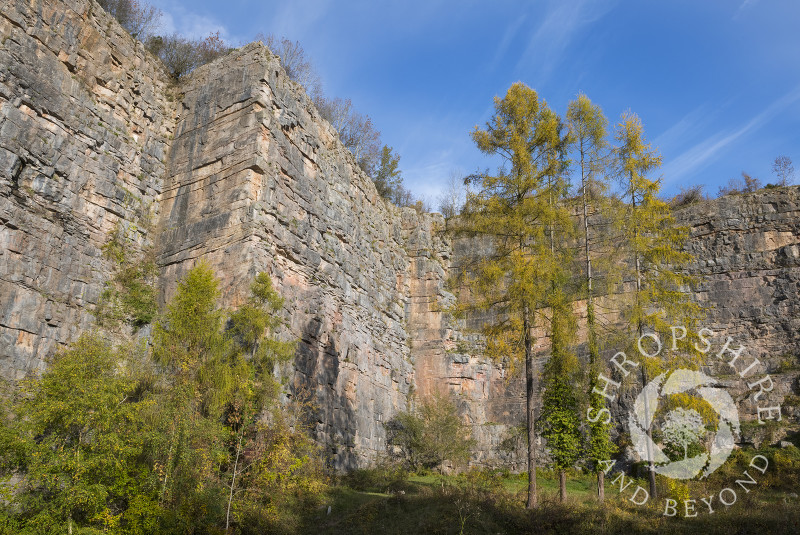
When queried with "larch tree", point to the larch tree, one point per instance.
{"points": [[589, 128], [513, 209], [653, 243]]}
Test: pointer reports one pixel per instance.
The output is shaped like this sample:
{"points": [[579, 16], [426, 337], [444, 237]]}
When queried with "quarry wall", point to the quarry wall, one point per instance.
{"points": [[234, 166]]}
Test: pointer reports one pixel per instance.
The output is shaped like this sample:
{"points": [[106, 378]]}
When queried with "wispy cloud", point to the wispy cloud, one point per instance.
{"points": [[191, 25], [559, 26], [428, 180], [301, 20], [743, 7], [508, 36], [178, 19], [681, 129], [703, 154]]}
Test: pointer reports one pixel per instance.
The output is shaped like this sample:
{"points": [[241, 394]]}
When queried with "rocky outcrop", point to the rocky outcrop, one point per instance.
{"points": [[236, 168], [259, 182], [746, 252], [84, 131]]}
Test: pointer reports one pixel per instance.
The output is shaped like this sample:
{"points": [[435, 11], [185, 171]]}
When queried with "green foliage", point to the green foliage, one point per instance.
{"points": [[521, 209], [77, 442], [259, 317], [560, 418], [384, 477], [432, 435], [388, 181], [388, 177], [187, 438], [282, 477], [514, 208], [130, 296], [589, 127], [654, 244]]}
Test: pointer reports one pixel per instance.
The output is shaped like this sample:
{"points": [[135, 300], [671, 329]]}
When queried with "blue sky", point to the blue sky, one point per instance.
{"points": [[715, 82]]}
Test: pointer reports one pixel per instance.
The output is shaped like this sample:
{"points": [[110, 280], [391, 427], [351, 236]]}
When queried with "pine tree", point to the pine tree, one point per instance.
{"points": [[514, 209], [387, 176]]}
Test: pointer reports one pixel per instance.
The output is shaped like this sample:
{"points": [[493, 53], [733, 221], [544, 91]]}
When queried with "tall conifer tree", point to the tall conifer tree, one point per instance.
{"points": [[589, 128], [514, 209], [654, 246]]}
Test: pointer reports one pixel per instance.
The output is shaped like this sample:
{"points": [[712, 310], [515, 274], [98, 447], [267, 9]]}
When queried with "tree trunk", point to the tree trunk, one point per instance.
{"points": [[651, 464], [233, 480], [601, 486], [639, 331], [562, 486], [530, 392]]}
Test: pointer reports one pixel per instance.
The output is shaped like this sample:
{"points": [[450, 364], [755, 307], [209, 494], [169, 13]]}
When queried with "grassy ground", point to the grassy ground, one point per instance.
{"points": [[372, 502]]}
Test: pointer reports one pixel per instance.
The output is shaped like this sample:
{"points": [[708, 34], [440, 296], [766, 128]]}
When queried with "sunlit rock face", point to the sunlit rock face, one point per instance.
{"points": [[84, 132], [235, 167]]}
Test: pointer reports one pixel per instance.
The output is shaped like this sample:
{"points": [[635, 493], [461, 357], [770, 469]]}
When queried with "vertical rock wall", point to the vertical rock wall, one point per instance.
{"points": [[84, 128], [258, 182], [235, 167], [747, 260]]}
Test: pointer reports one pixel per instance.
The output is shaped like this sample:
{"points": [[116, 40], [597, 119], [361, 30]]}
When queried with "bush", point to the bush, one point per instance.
{"points": [[181, 55], [430, 436], [746, 184], [103, 442], [138, 18], [688, 196], [130, 295], [383, 477]]}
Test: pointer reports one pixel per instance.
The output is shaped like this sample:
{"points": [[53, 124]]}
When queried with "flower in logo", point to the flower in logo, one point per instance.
{"points": [[683, 427]]}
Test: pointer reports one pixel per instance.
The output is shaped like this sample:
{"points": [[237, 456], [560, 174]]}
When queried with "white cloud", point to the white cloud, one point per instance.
{"points": [[703, 154], [428, 179], [744, 6], [683, 128], [508, 36], [176, 18], [559, 26]]}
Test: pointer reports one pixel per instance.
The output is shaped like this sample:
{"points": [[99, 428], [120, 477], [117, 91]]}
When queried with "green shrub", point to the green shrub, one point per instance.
{"points": [[431, 435]]}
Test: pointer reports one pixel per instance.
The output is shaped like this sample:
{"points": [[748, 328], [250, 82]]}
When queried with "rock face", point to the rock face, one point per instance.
{"points": [[236, 168], [84, 128], [258, 182], [747, 259]]}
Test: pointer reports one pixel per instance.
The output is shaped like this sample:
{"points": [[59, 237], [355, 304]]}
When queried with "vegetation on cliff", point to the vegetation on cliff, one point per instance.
{"points": [[184, 436]]}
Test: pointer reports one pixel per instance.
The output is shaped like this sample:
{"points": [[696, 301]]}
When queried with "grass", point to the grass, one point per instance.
{"points": [[492, 503]]}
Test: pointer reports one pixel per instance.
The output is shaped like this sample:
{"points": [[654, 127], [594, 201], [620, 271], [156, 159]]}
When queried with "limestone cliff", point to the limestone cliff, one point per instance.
{"points": [[257, 181], [84, 129], [235, 166]]}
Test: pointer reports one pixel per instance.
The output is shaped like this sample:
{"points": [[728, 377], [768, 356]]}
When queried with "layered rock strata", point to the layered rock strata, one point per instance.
{"points": [[235, 167], [85, 124]]}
